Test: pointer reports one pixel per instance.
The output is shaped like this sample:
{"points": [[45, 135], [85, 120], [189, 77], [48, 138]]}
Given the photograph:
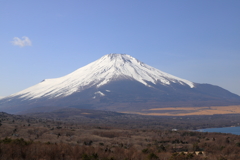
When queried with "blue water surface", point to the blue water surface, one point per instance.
{"points": [[232, 130]]}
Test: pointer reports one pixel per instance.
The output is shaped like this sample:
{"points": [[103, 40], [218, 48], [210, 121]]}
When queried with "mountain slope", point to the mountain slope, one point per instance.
{"points": [[117, 82]]}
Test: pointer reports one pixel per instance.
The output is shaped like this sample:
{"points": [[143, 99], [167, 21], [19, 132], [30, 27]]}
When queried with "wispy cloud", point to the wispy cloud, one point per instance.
{"points": [[25, 41]]}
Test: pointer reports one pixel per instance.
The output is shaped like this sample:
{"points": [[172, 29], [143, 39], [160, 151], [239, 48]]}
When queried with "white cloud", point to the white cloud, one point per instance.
{"points": [[25, 41]]}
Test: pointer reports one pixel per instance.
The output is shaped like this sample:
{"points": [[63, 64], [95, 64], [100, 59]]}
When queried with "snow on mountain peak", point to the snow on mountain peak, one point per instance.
{"points": [[98, 73]]}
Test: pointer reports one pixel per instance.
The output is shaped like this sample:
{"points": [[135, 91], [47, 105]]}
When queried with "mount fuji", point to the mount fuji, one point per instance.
{"points": [[117, 82]]}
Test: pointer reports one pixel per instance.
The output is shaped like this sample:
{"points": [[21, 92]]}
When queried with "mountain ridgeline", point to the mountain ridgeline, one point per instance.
{"points": [[117, 82]]}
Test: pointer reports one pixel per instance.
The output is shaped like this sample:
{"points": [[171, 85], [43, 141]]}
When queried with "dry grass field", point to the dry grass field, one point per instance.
{"points": [[187, 111]]}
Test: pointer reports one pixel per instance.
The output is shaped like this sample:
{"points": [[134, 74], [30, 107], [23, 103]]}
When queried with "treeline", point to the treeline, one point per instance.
{"points": [[131, 121], [124, 121]]}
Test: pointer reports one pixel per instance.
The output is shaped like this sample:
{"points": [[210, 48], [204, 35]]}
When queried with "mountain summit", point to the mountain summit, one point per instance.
{"points": [[117, 82]]}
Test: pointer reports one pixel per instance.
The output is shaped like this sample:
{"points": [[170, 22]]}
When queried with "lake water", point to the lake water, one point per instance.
{"points": [[232, 130]]}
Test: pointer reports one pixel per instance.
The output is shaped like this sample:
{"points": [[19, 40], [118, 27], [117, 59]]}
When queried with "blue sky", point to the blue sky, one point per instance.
{"points": [[196, 40]]}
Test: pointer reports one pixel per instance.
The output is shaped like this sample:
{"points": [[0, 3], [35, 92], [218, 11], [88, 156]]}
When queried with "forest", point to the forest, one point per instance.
{"points": [[98, 135]]}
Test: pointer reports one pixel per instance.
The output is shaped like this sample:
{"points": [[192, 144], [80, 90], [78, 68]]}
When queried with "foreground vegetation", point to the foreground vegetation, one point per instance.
{"points": [[24, 137]]}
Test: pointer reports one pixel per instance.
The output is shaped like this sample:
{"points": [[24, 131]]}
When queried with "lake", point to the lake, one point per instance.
{"points": [[232, 130]]}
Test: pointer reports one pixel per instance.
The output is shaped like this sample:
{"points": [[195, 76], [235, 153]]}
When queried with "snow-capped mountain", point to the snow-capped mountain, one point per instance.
{"points": [[113, 80], [108, 68]]}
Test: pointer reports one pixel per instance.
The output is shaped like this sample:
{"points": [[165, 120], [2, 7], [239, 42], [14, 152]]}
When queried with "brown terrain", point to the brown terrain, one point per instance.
{"points": [[92, 135], [187, 111]]}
